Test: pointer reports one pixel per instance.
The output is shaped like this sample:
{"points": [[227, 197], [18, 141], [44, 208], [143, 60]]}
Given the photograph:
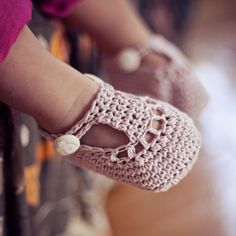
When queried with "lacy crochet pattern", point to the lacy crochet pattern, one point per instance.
{"points": [[155, 164]]}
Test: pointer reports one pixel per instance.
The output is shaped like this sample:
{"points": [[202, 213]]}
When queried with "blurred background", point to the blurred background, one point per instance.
{"points": [[67, 201]]}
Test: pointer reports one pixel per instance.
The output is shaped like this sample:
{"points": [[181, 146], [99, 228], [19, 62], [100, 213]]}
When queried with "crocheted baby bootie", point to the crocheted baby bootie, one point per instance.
{"points": [[174, 83], [155, 158]]}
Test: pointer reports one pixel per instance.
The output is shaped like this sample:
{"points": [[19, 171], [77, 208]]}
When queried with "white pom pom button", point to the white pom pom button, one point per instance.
{"points": [[24, 135], [67, 144], [129, 60]]}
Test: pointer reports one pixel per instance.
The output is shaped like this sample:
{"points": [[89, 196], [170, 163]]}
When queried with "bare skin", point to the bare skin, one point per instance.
{"points": [[114, 25], [56, 95], [34, 82]]}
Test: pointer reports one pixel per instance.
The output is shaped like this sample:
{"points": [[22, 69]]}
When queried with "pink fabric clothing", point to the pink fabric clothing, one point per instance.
{"points": [[14, 14], [58, 8]]}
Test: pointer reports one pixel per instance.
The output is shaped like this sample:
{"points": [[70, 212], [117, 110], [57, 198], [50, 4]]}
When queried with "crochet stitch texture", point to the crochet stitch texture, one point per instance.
{"points": [[160, 162]]}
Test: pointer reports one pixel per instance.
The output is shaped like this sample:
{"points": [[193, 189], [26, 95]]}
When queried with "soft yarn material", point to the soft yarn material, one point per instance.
{"points": [[153, 165], [175, 83]]}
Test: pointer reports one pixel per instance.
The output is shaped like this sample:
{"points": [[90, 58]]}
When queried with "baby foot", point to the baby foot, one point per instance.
{"points": [[158, 144]]}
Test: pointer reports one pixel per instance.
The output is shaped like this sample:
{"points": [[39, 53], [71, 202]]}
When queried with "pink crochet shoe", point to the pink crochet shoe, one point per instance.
{"points": [[153, 164], [175, 83]]}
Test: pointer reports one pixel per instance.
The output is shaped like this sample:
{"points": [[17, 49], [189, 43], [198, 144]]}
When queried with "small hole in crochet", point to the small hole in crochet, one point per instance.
{"points": [[122, 154], [156, 124], [104, 136], [158, 112], [138, 148], [149, 137]]}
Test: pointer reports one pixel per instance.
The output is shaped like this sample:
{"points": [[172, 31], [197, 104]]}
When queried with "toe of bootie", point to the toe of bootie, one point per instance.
{"points": [[163, 141]]}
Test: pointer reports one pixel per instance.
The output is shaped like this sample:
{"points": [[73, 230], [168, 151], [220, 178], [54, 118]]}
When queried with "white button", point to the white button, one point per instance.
{"points": [[67, 144], [24, 135], [129, 60]]}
